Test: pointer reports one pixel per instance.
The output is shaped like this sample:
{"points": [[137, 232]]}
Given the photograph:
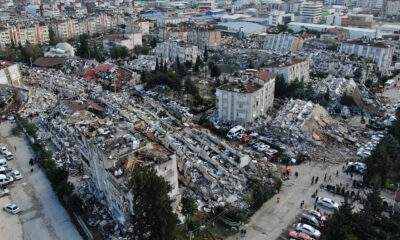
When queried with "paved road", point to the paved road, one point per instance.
{"points": [[273, 218], [42, 217]]}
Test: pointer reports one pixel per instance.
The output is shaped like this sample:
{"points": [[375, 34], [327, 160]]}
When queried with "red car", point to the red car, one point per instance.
{"points": [[300, 236], [246, 139]]}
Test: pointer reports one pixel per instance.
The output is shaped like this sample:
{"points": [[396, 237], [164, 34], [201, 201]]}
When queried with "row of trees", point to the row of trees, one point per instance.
{"points": [[295, 89], [28, 53], [374, 222], [86, 50]]}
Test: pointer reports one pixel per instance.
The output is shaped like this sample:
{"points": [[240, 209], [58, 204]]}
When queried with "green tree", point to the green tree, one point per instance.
{"points": [[64, 189], [165, 69], [75, 203], [157, 66], [119, 52], [31, 52], [140, 50], [31, 129], [190, 87], [52, 38], [326, 95], [280, 86], [392, 146], [197, 65], [83, 47], [341, 223], [205, 55], [188, 205], [215, 71], [153, 218], [309, 92], [378, 165], [282, 28], [153, 42], [347, 100]]}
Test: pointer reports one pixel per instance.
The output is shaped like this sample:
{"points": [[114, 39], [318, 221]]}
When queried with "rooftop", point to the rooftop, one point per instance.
{"points": [[285, 63]]}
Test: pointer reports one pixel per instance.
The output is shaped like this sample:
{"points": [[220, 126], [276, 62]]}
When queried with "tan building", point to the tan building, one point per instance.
{"points": [[291, 69], [5, 38], [283, 42], [10, 74], [359, 20], [246, 99], [134, 25], [34, 34], [204, 37], [172, 33], [379, 53], [128, 40]]}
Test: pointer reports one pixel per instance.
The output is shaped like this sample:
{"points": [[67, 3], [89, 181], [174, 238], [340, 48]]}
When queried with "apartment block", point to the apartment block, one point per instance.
{"points": [[5, 38], [204, 37], [171, 50], [172, 33], [391, 8], [247, 98], [128, 40], [283, 42], [311, 11], [34, 34], [10, 74], [291, 69], [379, 53], [133, 25]]}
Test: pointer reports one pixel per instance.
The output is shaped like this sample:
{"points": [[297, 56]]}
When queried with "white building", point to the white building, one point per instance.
{"points": [[244, 100], [128, 40], [171, 20], [311, 11], [276, 18], [291, 69], [379, 53], [10, 74], [171, 50], [283, 42], [61, 50]]}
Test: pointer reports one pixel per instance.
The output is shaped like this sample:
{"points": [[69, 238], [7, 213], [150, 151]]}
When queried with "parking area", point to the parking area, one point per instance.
{"points": [[42, 216], [274, 220]]}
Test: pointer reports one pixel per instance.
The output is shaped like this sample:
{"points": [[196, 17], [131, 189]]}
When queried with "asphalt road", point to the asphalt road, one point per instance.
{"points": [[273, 218], [42, 216]]}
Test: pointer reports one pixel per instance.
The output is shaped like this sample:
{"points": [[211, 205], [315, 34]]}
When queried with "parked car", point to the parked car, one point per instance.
{"points": [[305, 228], [11, 208], [327, 203], [317, 215], [246, 139], [271, 152], [310, 220], [262, 148], [300, 236], [253, 135], [3, 192], [252, 142], [3, 149], [240, 136], [10, 118], [16, 175], [4, 180]]}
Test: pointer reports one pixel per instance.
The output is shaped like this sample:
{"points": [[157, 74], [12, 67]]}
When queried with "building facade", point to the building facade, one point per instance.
{"points": [[172, 50], [244, 101], [391, 9], [128, 40], [21, 34], [291, 69], [10, 74], [379, 53], [204, 38], [311, 11], [283, 42]]}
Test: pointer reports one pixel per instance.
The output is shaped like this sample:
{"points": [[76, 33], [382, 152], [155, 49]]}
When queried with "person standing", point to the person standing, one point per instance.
{"points": [[312, 180], [325, 178], [316, 180]]}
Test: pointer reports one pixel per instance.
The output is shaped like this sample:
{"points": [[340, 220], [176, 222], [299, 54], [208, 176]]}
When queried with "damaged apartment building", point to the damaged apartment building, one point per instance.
{"points": [[247, 97], [291, 69]]}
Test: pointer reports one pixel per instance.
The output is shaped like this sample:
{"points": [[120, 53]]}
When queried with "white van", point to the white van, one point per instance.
{"points": [[9, 155], [234, 131], [3, 162], [4, 180]]}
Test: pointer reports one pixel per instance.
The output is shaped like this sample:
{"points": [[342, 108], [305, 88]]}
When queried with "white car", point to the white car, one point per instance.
{"points": [[11, 208], [271, 152], [263, 148], [327, 203], [305, 228], [3, 149], [16, 175], [3, 192]]}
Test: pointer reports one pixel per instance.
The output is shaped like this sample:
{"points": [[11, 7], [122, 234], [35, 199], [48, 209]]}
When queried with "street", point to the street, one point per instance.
{"points": [[42, 216], [273, 218]]}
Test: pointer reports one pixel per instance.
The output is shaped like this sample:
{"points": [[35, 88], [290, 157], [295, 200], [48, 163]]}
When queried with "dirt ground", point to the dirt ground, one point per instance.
{"points": [[273, 218], [42, 216]]}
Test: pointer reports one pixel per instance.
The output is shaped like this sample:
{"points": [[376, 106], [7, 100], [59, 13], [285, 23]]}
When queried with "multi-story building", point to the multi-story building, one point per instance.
{"points": [[172, 33], [292, 6], [204, 37], [34, 34], [10, 74], [276, 18], [358, 20], [291, 69], [380, 53], [109, 163], [283, 42], [128, 40], [172, 50], [247, 98], [391, 9], [133, 25], [171, 20], [5, 38], [311, 11]]}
